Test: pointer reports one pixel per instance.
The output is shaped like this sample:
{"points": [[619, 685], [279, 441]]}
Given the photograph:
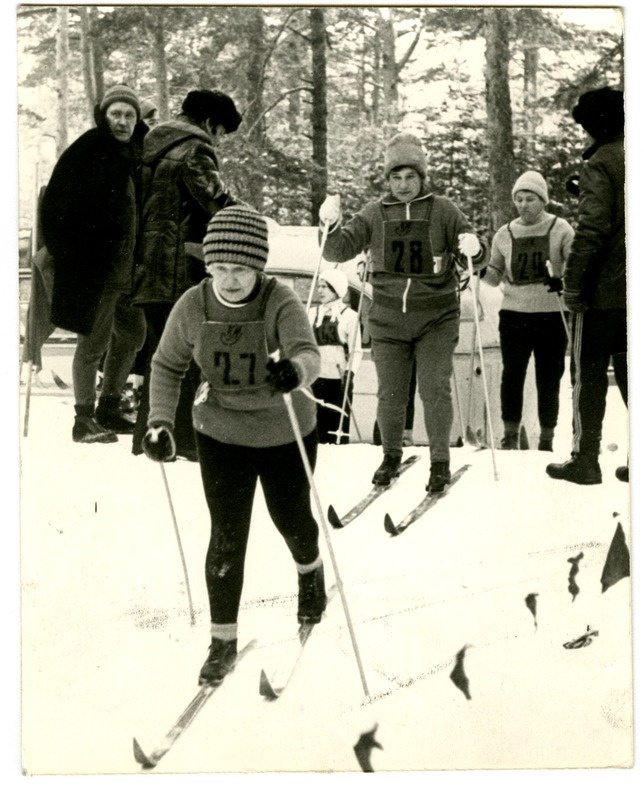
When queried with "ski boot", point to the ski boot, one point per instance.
{"points": [[311, 600], [580, 468], [439, 477], [220, 661], [110, 416], [87, 430], [388, 470]]}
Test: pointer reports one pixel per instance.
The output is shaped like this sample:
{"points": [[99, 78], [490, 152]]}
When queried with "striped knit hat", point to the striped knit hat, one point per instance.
{"points": [[237, 235]]}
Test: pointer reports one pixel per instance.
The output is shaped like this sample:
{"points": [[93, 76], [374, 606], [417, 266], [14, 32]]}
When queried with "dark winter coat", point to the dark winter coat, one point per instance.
{"points": [[89, 222], [596, 268], [181, 192]]}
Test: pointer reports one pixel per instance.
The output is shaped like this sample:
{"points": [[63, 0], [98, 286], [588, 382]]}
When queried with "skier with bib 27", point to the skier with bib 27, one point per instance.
{"points": [[229, 324]]}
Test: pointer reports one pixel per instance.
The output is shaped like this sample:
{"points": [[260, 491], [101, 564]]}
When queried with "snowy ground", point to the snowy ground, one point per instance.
{"points": [[108, 651]]}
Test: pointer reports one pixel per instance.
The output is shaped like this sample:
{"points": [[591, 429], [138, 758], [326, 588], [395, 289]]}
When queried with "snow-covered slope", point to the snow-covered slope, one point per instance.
{"points": [[108, 651]]}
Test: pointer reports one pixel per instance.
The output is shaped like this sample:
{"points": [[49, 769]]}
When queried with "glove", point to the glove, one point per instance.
{"points": [[468, 244], [158, 443], [347, 378], [330, 210], [282, 376], [574, 303], [554, 284]]}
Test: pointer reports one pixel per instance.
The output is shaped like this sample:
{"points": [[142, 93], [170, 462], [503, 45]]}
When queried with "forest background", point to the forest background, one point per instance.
{"points": [[488, 90]]}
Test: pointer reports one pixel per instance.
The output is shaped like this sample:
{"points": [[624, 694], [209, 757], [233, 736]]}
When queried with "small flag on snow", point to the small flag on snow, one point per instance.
{"points": [[531, 602], [574, 569], [363, 748], [458, 676], [618, 560]]}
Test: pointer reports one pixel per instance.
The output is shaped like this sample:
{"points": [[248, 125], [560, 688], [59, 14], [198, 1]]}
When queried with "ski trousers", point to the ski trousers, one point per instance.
{"points": [[230, 474], [598, 335], [522, 335], [118, 334], [330, 390], [428, 337]]}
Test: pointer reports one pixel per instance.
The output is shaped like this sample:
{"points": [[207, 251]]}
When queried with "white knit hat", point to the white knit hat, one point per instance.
{"points": [[337, 280], [531, 181], [405, 150]]}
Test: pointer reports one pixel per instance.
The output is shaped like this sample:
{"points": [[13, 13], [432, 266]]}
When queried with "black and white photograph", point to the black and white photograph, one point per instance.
{"points": [[322, 373]]}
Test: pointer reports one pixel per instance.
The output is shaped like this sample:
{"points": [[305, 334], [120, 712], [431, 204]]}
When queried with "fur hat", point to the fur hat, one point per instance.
{"points": [[600, 112], [237, 235], [405, 150], [336, 280], [531, 181], [217, 107], [121, 94]]}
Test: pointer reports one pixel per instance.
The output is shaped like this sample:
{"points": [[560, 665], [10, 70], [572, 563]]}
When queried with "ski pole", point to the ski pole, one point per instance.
{"points": [[325, 233], [559, 303], [470, 436], [458, 406], [309, 474], [176, 530], [352, 350], [470, 269]]}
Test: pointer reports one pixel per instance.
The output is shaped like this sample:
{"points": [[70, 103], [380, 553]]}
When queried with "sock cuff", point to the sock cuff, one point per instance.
{"points": [[227, 631], [304, 568]]}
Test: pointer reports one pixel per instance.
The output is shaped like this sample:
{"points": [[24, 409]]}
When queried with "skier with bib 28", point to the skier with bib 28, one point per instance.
{"points": [[415, 238]]}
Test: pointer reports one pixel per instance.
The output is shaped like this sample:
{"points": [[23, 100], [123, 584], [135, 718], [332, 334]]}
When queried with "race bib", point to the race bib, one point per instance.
{"points": [[408, 249]]}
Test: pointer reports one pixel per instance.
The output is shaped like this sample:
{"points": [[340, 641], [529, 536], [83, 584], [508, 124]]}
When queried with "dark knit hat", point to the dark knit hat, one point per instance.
{"points": [[405, 150], [237, 235], [600, 112], [216, 107], [121, 94]]}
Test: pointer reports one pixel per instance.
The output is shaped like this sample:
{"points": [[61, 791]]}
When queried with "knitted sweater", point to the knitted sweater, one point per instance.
{"points": [[366, 231], [229, 407], [531, 297]]}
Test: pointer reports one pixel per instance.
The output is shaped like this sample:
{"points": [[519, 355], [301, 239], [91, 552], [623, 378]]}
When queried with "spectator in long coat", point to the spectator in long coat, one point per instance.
{"points": [[89, 223]]}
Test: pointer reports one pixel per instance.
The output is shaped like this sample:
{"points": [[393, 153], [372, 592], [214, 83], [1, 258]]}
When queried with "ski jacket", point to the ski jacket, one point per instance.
{"points": [[231, 345], [596, 269], [334, 327], [182, 190], [436, 282], [89, 214], [525, 249]]}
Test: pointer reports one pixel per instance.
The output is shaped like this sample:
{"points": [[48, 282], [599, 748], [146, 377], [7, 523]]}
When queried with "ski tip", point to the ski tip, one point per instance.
{"points": [[265, 688], [390, 526], [333, 518], [140, 757]]}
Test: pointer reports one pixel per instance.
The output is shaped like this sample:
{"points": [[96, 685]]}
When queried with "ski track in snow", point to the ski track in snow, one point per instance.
{"points": [[109, 652]]}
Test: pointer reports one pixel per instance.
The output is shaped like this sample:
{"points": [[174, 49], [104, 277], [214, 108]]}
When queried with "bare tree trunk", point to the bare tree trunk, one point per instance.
{"points": [[254, 114], [160, 66], [97, 52], [319, 175], [499, 115], [530, 98], [88, 60], [62, 67], [387, 37]]}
